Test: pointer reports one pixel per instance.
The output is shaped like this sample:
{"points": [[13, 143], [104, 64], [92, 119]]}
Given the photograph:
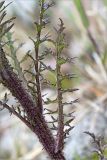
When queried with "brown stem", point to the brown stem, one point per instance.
{"points": [[36, 120]]}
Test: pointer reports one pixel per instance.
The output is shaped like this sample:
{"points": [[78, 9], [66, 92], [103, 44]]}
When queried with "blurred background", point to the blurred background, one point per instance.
{"points": [[86, 33]]}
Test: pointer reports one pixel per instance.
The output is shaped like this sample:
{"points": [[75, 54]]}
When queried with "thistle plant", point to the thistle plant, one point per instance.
{"points": [[100, 145], [28, 92]]}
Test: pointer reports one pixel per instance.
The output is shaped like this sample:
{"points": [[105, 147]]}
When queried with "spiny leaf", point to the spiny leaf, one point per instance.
{"points": [[69, 114], [47, 40], [49, 82], [30, 56], [13, 52], [67, 131], [5, 7], [61, 47], [45, 53], [67, 123], [71, 102], [69, 90], [32, 40], [47, 35], [50, 111], [54, 119], [19, 110], [7, 30], [25, 57], [54, 127], [67, 76], [33, 83], [61, 26], [61, 61], [8, 21], [44, 66], [19, 46], [30, 72], [5, 98], [32, 88], [49, 101], [90, 134], [2, 16]]}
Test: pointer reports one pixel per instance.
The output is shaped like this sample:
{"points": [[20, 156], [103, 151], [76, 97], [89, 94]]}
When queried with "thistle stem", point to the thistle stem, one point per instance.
{"points": [[60, 132], [39, 96], [36, 120]]}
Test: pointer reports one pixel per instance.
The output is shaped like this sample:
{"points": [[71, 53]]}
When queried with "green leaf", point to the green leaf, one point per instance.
{"points": [[61, 47], [51, 77], [61, 61], [66, 84], [81, 10], [13, 54]]}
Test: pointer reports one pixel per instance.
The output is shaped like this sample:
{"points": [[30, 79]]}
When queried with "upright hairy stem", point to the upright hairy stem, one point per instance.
{"points": [[30, 97], [60, 132], [39, 97], [37, 121]]}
